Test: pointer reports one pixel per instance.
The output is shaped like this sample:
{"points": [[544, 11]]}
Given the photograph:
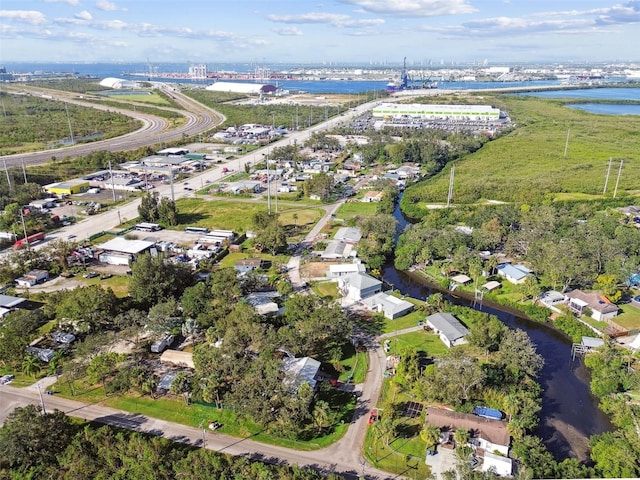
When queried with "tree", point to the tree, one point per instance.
{"points": [[92, 304], [270, 233], [517, 355], [167, 211], [153, 280], [164, 317], [148, 208], [29, 438], [196, 300], [31, 365], [181, 385], [323, 416], [461, 437], [430, 434]]}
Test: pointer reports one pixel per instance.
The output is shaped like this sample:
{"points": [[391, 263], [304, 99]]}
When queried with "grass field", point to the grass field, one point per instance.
{"points": [[237, 215], [429, 343], [351, 209], [528, 165]]}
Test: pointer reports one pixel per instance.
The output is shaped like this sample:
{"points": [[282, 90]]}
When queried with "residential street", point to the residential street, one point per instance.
{"points": [[344, 456]]}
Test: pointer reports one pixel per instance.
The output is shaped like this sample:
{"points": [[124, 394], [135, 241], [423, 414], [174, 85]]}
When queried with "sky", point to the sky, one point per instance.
{"points": [[362, 32]]}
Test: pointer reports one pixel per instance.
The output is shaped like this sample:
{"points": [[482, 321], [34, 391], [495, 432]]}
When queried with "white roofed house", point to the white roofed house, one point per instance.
{"points": [[358, 286], [336, 250], [344, 269], [449, 328], [392, 307], [350, 235], [300, 370]]}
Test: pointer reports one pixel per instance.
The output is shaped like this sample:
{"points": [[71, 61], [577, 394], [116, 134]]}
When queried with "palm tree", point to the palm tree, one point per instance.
{"points": [[461, 436], [430, 434], [55, 363], [31, 366], [149, 385]]}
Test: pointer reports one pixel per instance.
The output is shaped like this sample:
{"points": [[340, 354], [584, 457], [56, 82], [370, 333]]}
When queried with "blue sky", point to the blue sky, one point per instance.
{"points": [[330, 31]]}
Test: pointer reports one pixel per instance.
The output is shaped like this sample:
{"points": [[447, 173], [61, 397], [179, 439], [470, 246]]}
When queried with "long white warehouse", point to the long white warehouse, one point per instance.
{"points": [[437, 112]]}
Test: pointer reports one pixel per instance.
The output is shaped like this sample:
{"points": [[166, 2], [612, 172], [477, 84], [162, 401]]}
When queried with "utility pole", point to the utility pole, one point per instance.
{"points": [[24, 171], [113, 187], [268, 185], [73, 142], [44, 410], [450, 194], [566, 145], [615, 190], [6, 170], [606, 178]]}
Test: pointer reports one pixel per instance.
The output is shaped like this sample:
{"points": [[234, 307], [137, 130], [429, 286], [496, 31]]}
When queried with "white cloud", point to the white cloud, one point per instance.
{"points": [[32, 17], [84, 15], [108, 6], [288, 31], [414, 8], [73, 3], [335, 19], [311, 17]]}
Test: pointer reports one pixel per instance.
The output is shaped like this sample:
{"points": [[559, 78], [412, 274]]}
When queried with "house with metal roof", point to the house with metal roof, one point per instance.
{"points": [[336, 250], [338, 270], [300, 370], [516, 274], [348, 234], [358, 286], [448, 328], [392, 307]]}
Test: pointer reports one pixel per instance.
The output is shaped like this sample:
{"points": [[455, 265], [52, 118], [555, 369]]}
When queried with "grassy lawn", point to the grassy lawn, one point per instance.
{"points": [[21, 379], [325, 289], [237, 215], [230, 259], [408, 321], [629, 317], [48, 327], [118, 283], [403, 456], [406, 452], [351, 209], [174, 410], [421, 340], [355, 366]]}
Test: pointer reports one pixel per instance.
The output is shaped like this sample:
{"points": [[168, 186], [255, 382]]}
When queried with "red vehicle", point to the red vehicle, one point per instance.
{"points": [[373, 418], [23, 242], [225, 170]]}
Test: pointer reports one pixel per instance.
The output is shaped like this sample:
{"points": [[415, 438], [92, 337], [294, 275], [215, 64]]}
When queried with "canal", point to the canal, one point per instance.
{"points": [[570, 413]]}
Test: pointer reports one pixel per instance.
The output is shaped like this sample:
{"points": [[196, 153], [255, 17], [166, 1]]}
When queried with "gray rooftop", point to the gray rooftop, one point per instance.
{"points": [[448, 325]]}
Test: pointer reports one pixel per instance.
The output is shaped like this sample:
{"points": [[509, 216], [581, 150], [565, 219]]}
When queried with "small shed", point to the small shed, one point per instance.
{"points": [[492, 285]]}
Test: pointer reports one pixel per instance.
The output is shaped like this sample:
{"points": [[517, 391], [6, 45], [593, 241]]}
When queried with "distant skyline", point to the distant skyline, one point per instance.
{"points": [[359, 32]]}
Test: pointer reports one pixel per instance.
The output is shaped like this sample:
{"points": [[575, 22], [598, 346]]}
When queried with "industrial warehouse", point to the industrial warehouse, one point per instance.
{"points": [[436, 112]]}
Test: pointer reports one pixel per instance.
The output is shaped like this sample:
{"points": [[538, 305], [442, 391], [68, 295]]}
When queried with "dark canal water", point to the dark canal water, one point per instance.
{"points": [[569, 414]]}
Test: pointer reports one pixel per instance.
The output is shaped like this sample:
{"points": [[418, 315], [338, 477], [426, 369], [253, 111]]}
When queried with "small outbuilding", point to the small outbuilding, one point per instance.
{"points": [[392, 307]]}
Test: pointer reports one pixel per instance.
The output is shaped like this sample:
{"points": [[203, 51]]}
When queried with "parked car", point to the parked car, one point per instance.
{"points": [[6, 379], [91, 275], [373, 418], [105, 276]]}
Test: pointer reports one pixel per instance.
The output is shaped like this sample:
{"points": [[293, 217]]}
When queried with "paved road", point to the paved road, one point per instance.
{"points": [[342, 457], [155, 130]]}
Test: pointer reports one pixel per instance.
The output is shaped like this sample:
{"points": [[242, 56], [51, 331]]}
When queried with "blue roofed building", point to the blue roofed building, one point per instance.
{"points": [[515, 274]]}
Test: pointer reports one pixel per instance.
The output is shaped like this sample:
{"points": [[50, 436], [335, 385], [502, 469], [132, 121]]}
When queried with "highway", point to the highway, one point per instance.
{"points": [[155, 130]]}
